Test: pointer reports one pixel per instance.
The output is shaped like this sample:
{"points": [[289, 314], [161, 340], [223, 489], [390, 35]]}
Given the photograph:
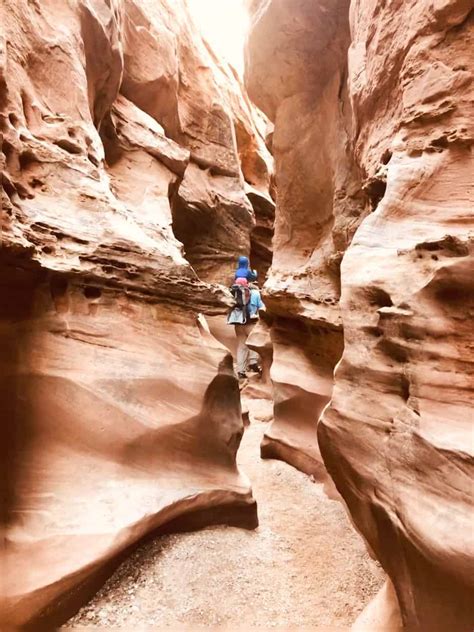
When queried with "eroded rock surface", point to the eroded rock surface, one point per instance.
{"points": [[319, 202], [122, 135], [397, 436], [400, 421]]}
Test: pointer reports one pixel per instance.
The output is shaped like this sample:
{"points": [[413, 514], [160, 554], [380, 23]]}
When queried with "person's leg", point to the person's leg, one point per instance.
{"points": [[252, 357], [242, 349]]}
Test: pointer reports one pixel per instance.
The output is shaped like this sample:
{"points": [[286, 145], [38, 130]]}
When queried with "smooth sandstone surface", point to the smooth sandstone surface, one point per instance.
{"points": [[405, 384], [397, 435], [122, 136], [296, 71], [123, 139]]}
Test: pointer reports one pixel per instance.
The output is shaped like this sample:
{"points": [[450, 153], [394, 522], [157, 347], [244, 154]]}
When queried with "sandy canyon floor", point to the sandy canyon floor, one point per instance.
{"points": [[304, 566]]}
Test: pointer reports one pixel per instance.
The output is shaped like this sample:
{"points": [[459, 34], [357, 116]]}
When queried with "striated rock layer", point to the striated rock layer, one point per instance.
{"points": [[320, 203], [397, 435], [121, 134], [405, 384]]}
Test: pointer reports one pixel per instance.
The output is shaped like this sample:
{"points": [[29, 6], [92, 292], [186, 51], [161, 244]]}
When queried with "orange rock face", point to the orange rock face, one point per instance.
{"points": [[405, 385], [319, 202], [120, 412], [397, 435]]}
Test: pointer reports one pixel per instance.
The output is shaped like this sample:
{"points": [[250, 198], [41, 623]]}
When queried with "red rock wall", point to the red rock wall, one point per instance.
{"points": [[120, 413], [397, 435], [405, 384], [320, 203]]}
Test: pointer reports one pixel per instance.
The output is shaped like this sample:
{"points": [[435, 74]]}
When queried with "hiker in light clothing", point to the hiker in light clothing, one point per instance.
{"points": [[247, 359]]}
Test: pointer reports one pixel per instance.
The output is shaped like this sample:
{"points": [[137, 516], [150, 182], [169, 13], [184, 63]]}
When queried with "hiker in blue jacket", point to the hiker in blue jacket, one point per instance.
{"points": [[244, 316], [247, 359], [243, 270]]}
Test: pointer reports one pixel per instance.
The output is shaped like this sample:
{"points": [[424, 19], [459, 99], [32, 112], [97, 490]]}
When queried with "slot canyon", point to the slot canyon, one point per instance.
{"points": [[145, 482]]}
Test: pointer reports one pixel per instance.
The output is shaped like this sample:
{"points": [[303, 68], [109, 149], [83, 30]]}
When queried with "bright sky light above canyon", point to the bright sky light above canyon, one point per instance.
{"points": [[224, 24]]}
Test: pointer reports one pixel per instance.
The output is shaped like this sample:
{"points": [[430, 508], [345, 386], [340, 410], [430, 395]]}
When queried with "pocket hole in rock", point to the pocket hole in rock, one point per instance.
{"points": [[13, 118], [92, 292], [379, 297]]}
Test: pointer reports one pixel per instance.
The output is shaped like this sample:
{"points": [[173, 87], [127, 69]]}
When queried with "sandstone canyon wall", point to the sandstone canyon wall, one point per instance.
{"points": [[386, 150], [320, 203], [122, 136]]}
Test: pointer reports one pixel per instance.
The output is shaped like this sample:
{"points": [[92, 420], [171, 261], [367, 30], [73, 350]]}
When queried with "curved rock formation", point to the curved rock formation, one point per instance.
{"points": [[121, 413], [320, 204], [405, 384], [396, 437]]}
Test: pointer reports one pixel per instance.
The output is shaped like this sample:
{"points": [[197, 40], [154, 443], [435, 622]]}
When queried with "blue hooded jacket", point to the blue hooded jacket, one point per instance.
{"points": [[243, 270]]}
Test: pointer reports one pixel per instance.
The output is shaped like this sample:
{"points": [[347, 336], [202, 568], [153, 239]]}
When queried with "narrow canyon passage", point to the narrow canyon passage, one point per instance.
{"points": [[162, 162], [303, 566]]}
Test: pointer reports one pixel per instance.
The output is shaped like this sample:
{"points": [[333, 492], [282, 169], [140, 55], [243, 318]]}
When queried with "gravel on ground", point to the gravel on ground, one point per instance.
{"points": [[304, 566]]}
